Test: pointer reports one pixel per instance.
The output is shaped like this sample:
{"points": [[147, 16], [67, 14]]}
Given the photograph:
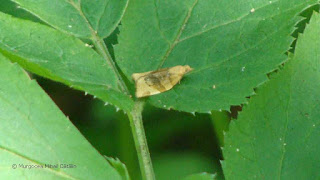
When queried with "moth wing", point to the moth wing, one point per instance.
{"points": [[165, 80], [155, 82], [136, 76], [143, 89]]}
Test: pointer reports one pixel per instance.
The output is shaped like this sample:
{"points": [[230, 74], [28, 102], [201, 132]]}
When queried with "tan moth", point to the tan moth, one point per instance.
{"points": [[155, 82]]}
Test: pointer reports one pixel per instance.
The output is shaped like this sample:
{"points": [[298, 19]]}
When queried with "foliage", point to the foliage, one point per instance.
{"points": [[231, 45], [35, 134], [237, 50], [280, 126]]}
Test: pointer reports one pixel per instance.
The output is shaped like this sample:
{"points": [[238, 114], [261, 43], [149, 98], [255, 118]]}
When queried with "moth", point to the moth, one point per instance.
{"points": [[155, 82]]}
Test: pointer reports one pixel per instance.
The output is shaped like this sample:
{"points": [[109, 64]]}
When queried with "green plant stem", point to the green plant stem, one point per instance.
{"points": [[135, 117], [103, 50]]}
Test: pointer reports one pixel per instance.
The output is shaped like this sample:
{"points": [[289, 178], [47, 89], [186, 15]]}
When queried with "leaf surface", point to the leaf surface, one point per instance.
{"points": [[231, 45], [277, 134], [57, 56], [9, 7], [81, 18], [34, 132], [201, 176], [120, 167], [182, 164]]}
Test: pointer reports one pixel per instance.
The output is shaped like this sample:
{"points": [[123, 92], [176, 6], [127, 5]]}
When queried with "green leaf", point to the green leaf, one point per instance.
{"points": [[80, 18], [181, 164], [34, 132], [9, 7], [220, 122], [201, 176], [57, 56], [231, 45], [120, 167], [277, 134]]}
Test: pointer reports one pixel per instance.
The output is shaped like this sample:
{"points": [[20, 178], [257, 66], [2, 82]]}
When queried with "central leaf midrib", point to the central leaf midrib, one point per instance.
{"points": [[226, 23], [59, 173], [95, 37], [284, 135], [176, 39], [31, 123]]}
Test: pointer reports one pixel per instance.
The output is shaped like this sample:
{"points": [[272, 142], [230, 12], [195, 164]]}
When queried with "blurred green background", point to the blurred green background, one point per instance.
{"points": [[180, 143]]}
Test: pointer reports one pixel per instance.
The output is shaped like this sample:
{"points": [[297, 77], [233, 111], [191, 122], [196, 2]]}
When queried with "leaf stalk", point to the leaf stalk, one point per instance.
{"points": [[136, 123], [103, 50], [135, 116]]}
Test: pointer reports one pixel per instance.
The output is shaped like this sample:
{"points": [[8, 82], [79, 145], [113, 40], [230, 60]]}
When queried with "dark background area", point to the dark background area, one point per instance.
{"points": [[180, 143]]}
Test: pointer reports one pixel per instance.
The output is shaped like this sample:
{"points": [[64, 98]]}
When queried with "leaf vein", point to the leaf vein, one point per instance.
{"points": [[158, 23], [285, 130], [100, 17], [224, 24], [59, 173], [176, 40]]}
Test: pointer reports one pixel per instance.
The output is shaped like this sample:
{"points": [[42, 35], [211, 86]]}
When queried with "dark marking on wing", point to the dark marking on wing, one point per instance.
{"points": [[156, 73], [154, 82], [147, 93]]}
